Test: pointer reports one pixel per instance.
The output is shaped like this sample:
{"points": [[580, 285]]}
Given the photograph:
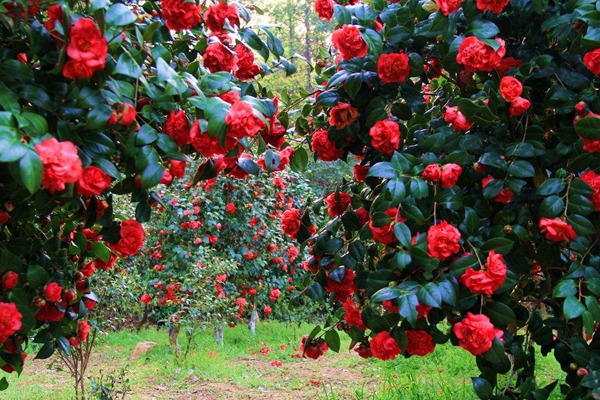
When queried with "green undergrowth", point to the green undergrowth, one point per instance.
{"points": [[243, 364]]}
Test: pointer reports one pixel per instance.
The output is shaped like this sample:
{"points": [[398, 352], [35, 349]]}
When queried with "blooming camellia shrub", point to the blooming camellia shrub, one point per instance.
{"points": [[101, 99], [473, 214]]}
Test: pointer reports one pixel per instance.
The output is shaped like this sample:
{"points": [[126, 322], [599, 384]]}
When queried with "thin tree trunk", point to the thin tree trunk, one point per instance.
{"points": [[173, 339], [307, 45], [253, 319], [219, 331]]}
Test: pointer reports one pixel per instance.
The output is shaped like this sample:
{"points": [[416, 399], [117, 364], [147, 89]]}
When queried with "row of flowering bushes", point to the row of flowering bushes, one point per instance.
{"points": [[473, 214], [101, 99]]}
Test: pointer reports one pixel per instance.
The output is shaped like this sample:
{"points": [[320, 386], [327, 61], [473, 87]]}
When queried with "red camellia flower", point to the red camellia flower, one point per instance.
{"points": [[9, 280], [443, 240], [360, 172], [476, 333], [313, 349], [432, 173], [337, 203], [52, 292], [83, 330], [557, 230], [177, 168], [50, 312], [324, 9], [123, 114], [419, 343], [393, 68], [93, 181], [342, 289], [132, 238], [206, 144], [518, 107], [342, 115], [61, 163], [146, 298], [504, 196], [457, 119], [593, 180], [215, 16], [324, 147], [181, 14], [230, 208], [475, 55], [10, 320], [242, 122], [87, 50], [384, 346], [363, 350], [385, 136], [450, 174], [448, 7], [510, 88], [591, 60], [219, 58], [177, 127], [246, 67], [494, 6], [267, 310], [385, 234], [488, 280], [352, 316], [290, 222], [349, 42], [507, 64]]}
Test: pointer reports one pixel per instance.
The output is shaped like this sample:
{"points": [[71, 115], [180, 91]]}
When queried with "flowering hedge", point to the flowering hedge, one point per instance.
{"points": [[473, 214], [101, 99]]}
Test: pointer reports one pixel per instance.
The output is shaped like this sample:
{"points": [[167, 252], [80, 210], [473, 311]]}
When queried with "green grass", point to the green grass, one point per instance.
{"points": [[239, 370]]}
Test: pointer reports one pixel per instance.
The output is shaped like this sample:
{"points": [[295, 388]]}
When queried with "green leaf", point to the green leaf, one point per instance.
{"points": [[127, 66], [353, 84], [254, 41], [332, 338], [9, 101], [551, 207], [248, 165], [37, 96], [403, 234], [146, 135], [407, 304], [342, 15], [373, 41], [98, 4], [572, 308], [63, 345], [384, 170], [551, 186], [314, 291], [152, 175], [499, 313], [11, 148], [591, 303], [101, 251], [588, 127], [418, 188], [448, 292], [272, 160], [37, 276], [581, 225], [29, 171], [483, 388], [98, 117], [3, 384], [430, 295], [45, 352], [119, 15], [299, 160], [499, 245], [483, 29], [565, 288], [387, 293], [521, 169]]}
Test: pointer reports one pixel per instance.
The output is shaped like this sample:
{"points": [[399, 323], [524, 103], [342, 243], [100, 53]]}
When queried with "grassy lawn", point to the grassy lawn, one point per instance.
{"points": [[242, 369]]}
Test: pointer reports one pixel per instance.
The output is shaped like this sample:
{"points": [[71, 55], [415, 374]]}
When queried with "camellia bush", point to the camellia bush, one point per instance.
{"points": [[101, 99], [216, 255], [473, 214]]}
